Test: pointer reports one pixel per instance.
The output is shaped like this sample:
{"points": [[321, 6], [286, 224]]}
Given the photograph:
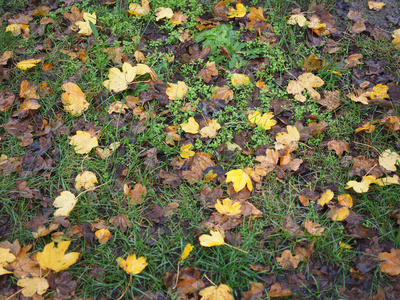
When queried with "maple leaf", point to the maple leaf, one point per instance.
{"points": [[228, 207], [86, 179], [288, 139], [353, 60], [390, 262], [5, 258], [5, 57], [240, 179], [163, 12], [345, 200], [215, 239], [103, 235], [265, 120], [16, 29], [186, 152], [32, 286], [177, 91], [239, 12], [298, 19], [379, 91], [65, 203], [208, 72], [83, 142], [27, 64], [191, 126], [54, 258], [287, 260], [306, 81], [338, 214], [132, 265], [186, 252], [179, 18], [74, 99], [119, 81], [239, 79], [313, 228], [313, 63], [388, 180], [326, 197], [363, 186], [339, 147], [221, 292], [375, 5], [84, 27], [389, 159], [141, 69], [136, 9], [210, 131]]}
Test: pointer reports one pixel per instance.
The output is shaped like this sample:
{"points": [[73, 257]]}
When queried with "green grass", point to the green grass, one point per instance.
{"points": [[97, 272]]}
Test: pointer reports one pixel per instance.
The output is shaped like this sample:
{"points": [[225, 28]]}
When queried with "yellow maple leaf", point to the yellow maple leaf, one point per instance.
{"points": [[186, 152], [27, 64], [83, 142], [326, 197], [186, 252], [389, 159], [139, 10], [16, 29], [239, 12], [86, 179], [379, 91], [289, 139], [363, 186], [74, 99], [306, 81], [54, 258], [141, 69], [228, 207], [210, 131], [239, 79], [345, 200], [388, 180], [32, 286], [119, 81], [191, 126], [344, 245], [132, 265], [339, 214], [84, 26], [264, 120], [163, 12], [375, 5], [298, 19], [215, 239], [65, 203], [103, 235], [176, 91], [5, 258], [221, 292], [240, 179]]}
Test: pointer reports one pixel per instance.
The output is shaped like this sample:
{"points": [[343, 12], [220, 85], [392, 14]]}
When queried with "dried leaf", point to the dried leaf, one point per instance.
{"points": [[103, 235], [287, 260], [390, 262], [240, 179], [177, 91], [5, 258], [228, 207], [306, 81], [239, 79], [186, 252], [32, 286], [74, 99]]}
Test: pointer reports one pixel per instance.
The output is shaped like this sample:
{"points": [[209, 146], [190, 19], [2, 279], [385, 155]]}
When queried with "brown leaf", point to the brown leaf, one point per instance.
{"points": [[121, 222], [287, 260], [277, 291], [257, 291], [137, 193], [306, 195], [189, 281], [208, 71], [313, 63], [170, 178], [313, 228], [352, 61], [170, 209], [25, 263], [391, 262], [291, 226], [74, 16], [28, 90], [220, 11], [6, 100], [331, 100], [339, 147], [5, 57], [304, 251]]}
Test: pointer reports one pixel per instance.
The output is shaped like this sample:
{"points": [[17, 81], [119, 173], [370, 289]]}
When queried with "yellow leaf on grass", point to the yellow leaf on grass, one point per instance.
{"points": [[287, 260], [228, 207], [298, 19], [65, 204], [264, 120], [163, 12], [379, 91], [191, 126], [27, 64], [326, 197], [389, 159], [221, 292], [54, 258], [363, 186], [176, 91], [344, 245], [32, 286], [137, 10], [345, 200], [86, 179], [239, 12], [186, 252], [390, 262], [306, 81], [388, 180], [210, 131], [5, 258], [186, 152], [132, 265], [289, 139], [240, 179], [74, 99], [141, 69], [215, 239], [375, 5], [118, 81], [103, 235], [239, 79], [16, 29], [339, 214], [83, 142], [84, 26]]}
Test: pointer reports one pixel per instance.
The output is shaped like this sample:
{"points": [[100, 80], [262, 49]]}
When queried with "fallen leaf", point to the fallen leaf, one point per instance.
{"points": [[5, 57], [210, 131], [32, 286], [177, 91], [326, 197], [27, 64], [257, 291], [86, 179], [345, 200], [228, 207], [191, 126], [186, 152], [339, 147], [16, 29], [215, 239], [240, 79], [136, 194], [65, 203], [83, 142], [103, 235], [363, 186], [240, 179], [344, 245], [289, 139], [298, 19], [74, 99], [84, 26], [139, 10], [277, 291], [379, 91], [313, 63], [338, 214], [186, 252], [179, 18], [239, 12], [331, 100], [353, 60], [313, 228], [265, 120], [163, 12], [306, 81], [54, 258], [28, 90], [287, 260], [221, 292], [208, 72], [119, 81], [375, 5], [389, 159], [6, 100], [132, 265], [5, 258], [390, 262]]}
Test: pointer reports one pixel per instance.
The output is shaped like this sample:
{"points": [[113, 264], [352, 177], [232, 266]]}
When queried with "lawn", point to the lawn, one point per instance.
{"points": [[199, 149]]}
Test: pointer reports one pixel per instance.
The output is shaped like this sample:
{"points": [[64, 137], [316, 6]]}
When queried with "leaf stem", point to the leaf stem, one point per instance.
{"points": [[236, 248], [126, 289]]}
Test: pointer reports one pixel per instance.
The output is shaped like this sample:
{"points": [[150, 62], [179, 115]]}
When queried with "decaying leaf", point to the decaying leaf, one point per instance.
{"points": [[298, 19], [131, 264], [54, 258], [390, 262], [306, 81], [339, 147], [239, 79], [215, 239], [277, 291], [74, 99], [375, 5], [103, 235], [139, 10], [287, 260], [86, 180], [177, 91], [221, 292], [363, 186], [186, 252], [389, 159], [186, 152], [313, 228], [326, 197], [32, 286], [5, 258], [289, 139]]}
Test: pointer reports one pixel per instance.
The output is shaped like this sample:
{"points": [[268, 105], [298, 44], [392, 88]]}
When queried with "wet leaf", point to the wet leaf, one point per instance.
{"points": [[239, 12], [264, 120], [379, 91], [298, 19], [163, 12], [5, 258], [339, 147], [27, 64], [338, 214], [389, 159], [210, 131], [84, 27], [221, 292], [54, 258], [74, 99], [390, 262], [191, 126], [186, 152], [177, 91], [139, 10], [326, 197], [313, 63], [375, 5], [345, 200], [306, 81], [287, 260], [131, 264], [277, 291], [119, 81], [103, 235], [240, 79], [313, 228], [363, 186]]}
